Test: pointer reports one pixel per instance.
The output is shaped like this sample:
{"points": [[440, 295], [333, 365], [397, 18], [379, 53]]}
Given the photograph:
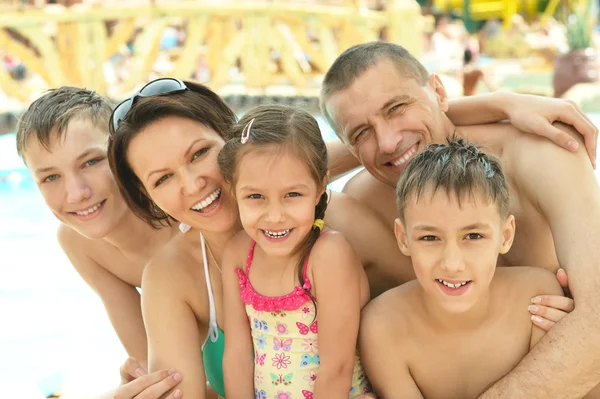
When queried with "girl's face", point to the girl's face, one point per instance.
{"points": [[176, 160], [276, 196]]}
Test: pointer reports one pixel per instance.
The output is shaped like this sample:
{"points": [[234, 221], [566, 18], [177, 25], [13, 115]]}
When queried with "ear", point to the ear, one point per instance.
{"points": [[401, 237], [508, 234], [435, 83]]}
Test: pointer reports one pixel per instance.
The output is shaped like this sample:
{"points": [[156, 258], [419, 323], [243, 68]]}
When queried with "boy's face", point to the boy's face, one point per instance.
{"points": [[75, 179], [454, 249]]}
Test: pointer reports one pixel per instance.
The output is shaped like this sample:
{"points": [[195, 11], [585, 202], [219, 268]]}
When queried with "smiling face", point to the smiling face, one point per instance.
{"points": [[276, 196], [175, 158], [75, 179], [454, 249], [386, 118]]}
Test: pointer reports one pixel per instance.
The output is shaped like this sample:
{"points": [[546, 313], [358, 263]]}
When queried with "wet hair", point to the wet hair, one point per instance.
{"points": [[199, 104], [460, 168], [53, 111], [290, 129], [357, 59]]}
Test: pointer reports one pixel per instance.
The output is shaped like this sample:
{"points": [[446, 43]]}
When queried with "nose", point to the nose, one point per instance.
{"points": [[452, 261], [388, 137], [191, 183], [275, 213], [77, 189]]}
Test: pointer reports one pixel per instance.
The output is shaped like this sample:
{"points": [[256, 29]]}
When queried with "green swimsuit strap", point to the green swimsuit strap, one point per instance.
{"points": [[214, 346]]}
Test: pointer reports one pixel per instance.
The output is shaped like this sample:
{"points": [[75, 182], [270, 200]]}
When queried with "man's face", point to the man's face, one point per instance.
{"points": [[387, 119], [75, 179]]}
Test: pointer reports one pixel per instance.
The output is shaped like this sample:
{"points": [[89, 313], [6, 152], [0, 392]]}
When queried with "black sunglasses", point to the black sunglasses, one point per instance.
{"points": [[154, 88]]}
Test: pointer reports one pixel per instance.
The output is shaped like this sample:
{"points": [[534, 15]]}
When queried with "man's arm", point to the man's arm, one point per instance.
{"points": [[380, 351], [121, 300], [566, 361], [339, 159], [530, 114]]}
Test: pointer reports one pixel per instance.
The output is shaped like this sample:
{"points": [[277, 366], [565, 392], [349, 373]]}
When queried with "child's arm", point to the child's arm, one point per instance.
{"points": [[174, 339], [238, 360], [335, 273], [380, 347], [120, 299]]}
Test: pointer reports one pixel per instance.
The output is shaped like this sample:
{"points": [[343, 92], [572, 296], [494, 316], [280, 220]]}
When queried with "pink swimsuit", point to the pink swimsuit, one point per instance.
{"points": [[285, 338]]}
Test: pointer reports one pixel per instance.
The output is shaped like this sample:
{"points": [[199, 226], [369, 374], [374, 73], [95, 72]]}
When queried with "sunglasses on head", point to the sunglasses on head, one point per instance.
{"points": [[154, 88]]}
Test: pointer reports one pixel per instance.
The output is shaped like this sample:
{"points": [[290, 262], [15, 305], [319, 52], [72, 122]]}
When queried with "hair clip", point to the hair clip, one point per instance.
{"points": [[246, 132]]}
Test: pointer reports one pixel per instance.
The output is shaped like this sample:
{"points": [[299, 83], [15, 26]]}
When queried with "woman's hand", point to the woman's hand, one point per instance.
{"points": [[535, 114], [547, 310], [136, 383]]}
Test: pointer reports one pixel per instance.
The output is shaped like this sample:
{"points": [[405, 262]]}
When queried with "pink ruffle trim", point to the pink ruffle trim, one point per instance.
{"points": [[292, 301]]}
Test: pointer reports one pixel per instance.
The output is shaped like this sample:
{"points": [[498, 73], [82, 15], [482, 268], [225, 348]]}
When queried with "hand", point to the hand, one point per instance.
{"points": [[136, 383], [535, 114], [547, 310]]}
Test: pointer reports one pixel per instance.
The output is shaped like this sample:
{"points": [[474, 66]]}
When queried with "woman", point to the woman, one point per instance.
{"points": [[163, 152]]}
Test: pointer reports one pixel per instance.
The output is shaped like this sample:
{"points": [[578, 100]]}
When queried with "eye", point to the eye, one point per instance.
{"points": [[474, 236], [161, 180], [255, 196], [50, 178], [92, 162], [360, 135], [395, 108], [293, 194], [428, 238], [199, 153]]}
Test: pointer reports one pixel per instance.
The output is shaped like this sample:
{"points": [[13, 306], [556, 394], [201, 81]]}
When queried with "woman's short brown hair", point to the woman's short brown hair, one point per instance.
{"points": [[199, 103]]}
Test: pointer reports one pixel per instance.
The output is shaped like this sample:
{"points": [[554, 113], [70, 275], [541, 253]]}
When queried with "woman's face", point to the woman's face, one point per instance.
{"points": [[175, 158]]}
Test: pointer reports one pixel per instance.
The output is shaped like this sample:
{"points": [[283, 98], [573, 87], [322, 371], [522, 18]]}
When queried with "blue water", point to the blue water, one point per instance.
{"points": [[54, 331]]}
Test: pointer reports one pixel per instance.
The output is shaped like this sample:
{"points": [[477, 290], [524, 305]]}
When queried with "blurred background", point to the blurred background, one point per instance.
{"points": [[55, 340]]}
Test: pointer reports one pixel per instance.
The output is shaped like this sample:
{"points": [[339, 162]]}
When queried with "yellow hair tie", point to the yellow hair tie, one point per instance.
{"points": [[319, 224]]}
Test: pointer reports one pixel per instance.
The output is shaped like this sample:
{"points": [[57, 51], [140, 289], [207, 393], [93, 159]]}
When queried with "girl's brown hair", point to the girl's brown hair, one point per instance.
{"points": [[293, 130], [199, 103]]}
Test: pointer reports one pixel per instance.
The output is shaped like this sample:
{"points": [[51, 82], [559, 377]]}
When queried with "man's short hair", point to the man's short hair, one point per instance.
{"points": [[460, 168], [357, 59], [55, 109]]}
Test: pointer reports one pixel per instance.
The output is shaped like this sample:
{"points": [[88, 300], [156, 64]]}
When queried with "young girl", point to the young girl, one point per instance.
{"points": [[293, 290]]}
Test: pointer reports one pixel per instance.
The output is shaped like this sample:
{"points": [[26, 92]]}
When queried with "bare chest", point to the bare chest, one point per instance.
{"points": [[122, 267], [462, 366]]}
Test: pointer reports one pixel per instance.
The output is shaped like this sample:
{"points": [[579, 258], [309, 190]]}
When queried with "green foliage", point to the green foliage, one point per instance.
{"points": [[579, 27]]}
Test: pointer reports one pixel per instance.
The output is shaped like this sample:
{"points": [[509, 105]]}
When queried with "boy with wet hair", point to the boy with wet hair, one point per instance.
{"points": [[62, 139], [463, 324]]}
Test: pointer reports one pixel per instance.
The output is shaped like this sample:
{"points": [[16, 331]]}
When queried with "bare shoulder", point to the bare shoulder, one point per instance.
{"points": [[367, 189], [527, 282], [71, 241], [389, 314], [331, 241]]}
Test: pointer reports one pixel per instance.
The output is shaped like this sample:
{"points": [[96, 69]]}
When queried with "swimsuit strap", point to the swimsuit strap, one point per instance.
{"points": [[250, 257], [213, 329]]}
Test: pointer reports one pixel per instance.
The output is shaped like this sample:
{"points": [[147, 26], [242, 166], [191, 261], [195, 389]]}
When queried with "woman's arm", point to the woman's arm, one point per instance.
{"points": [[174, 340], [238, 360], [336, 282]]}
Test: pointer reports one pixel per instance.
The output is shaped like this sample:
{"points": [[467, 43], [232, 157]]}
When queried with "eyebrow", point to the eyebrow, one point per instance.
{"points": [[185, 155], [291, 188], [473, 226], [84, 154]]}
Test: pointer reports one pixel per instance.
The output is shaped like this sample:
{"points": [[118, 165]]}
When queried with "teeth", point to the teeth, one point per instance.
{"points": [[452, 285], [90, 210], [276, 234], [404, 158], [207, 201]]}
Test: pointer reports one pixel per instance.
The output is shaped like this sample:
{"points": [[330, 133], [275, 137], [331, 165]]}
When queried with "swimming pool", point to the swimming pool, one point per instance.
{"points": [[54, 330]]}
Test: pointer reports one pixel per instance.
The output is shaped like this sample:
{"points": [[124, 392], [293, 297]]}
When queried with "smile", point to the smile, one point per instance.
{"points": [[451, 285], [277, 235], [405, 157], [201, 206], [90, 210]]}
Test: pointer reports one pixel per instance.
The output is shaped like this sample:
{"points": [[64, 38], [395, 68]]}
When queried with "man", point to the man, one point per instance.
{"points": [[386, 107], [62, 138]]}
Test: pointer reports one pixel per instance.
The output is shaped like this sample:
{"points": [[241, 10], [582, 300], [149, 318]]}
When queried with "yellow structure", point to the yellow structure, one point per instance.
{"points": [[251, 44]]}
